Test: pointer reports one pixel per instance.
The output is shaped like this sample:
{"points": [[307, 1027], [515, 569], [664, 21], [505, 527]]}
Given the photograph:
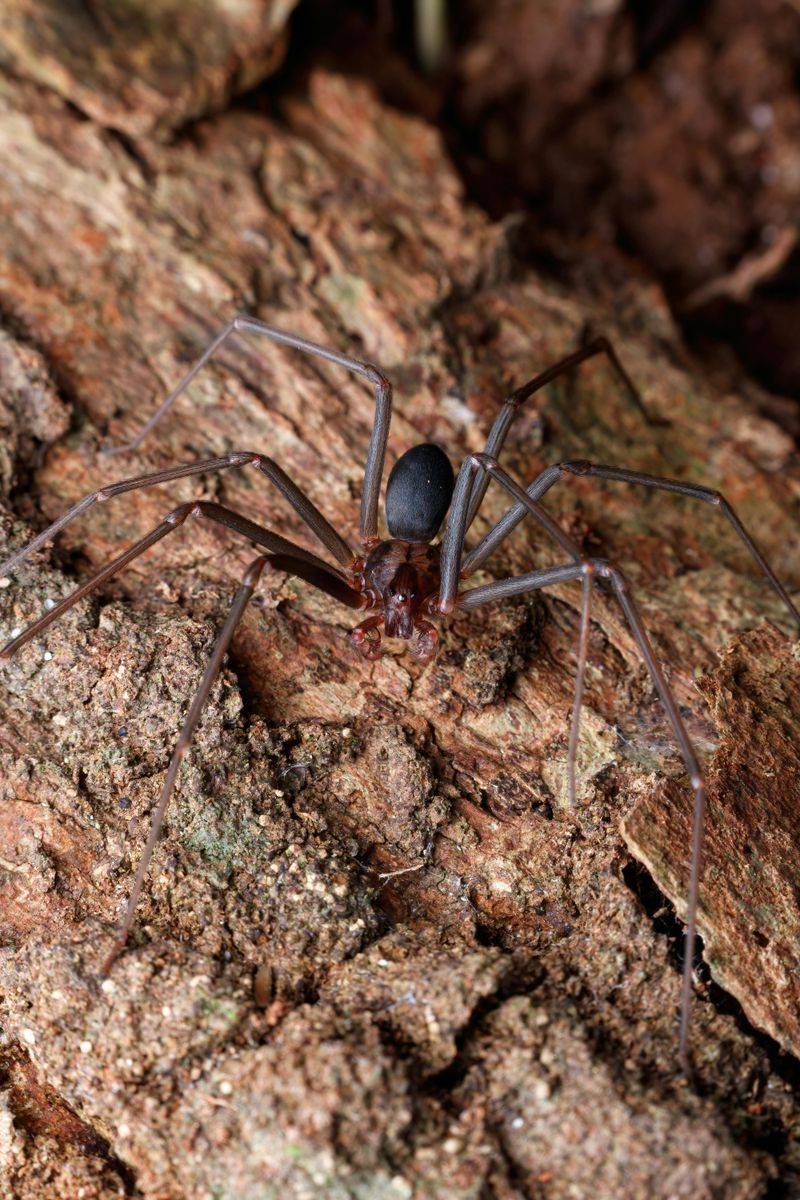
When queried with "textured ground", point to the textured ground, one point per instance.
{"points": [[376, 957]]}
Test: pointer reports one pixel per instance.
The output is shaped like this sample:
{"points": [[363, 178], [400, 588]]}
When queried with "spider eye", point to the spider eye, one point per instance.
{"points": [[418, 493]]}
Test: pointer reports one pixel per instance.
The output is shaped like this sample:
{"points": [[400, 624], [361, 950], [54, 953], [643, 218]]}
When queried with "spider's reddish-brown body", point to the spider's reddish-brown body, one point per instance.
{"points": [[402, 580]]}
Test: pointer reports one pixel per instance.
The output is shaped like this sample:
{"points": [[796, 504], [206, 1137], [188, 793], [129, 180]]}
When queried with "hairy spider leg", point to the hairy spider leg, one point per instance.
{"points": [[284, 556], [373, 468], [451, 552], [513, 403], [302, 505], [550, 475]]}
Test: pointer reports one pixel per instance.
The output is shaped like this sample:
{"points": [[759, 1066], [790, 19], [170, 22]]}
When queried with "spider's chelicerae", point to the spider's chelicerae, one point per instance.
{"points": [[406, 581]]}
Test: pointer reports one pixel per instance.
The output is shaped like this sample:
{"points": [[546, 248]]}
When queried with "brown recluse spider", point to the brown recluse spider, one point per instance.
{"points": [[406, 579]]}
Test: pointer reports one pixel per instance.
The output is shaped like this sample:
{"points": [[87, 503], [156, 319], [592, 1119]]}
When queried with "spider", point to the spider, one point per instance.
{"points": [[406, 580]]}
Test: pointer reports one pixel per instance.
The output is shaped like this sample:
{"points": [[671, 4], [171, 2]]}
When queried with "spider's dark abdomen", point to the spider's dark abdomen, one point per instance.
{"points": [[418, 493]]}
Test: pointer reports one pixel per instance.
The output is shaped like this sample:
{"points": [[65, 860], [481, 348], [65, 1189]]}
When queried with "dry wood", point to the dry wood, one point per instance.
{"points": [[457, 985]]}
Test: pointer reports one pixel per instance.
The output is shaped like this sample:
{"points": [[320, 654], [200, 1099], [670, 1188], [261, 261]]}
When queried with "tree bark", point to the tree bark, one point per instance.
{"points": [[463, 988]]}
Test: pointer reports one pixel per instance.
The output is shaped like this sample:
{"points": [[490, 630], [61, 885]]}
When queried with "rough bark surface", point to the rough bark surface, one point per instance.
{"points": [[144, 66], [463, 988], [671, 129]]}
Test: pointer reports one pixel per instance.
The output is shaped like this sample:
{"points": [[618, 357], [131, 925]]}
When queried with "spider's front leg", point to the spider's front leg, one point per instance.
{"points": [[580, 467]]}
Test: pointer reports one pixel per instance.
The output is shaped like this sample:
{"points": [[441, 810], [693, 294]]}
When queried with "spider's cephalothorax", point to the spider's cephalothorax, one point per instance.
{"points": [[405, 578], [400, 576]]}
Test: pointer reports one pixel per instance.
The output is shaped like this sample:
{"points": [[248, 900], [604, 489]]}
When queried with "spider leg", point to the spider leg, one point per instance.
{"points": [[580, 683], [500, 589], [238, 458], [373, 469], [587, 569], [249, 582], [552, 474], [451, 553], [285, 555], [511, 406], [484, 466], [630, 609]]}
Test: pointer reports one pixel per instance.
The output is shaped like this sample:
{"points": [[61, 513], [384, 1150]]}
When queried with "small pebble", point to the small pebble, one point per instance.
{"points": [[761, 116], [48, 654], [5, 581], [225, 1088], [85, 1047], [518, 1123], [49, 604], [29, 1036], [107, 985]]}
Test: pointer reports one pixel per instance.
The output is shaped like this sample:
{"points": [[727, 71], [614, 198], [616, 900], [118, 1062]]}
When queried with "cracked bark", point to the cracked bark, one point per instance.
{"points": [[410, 1021]]}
